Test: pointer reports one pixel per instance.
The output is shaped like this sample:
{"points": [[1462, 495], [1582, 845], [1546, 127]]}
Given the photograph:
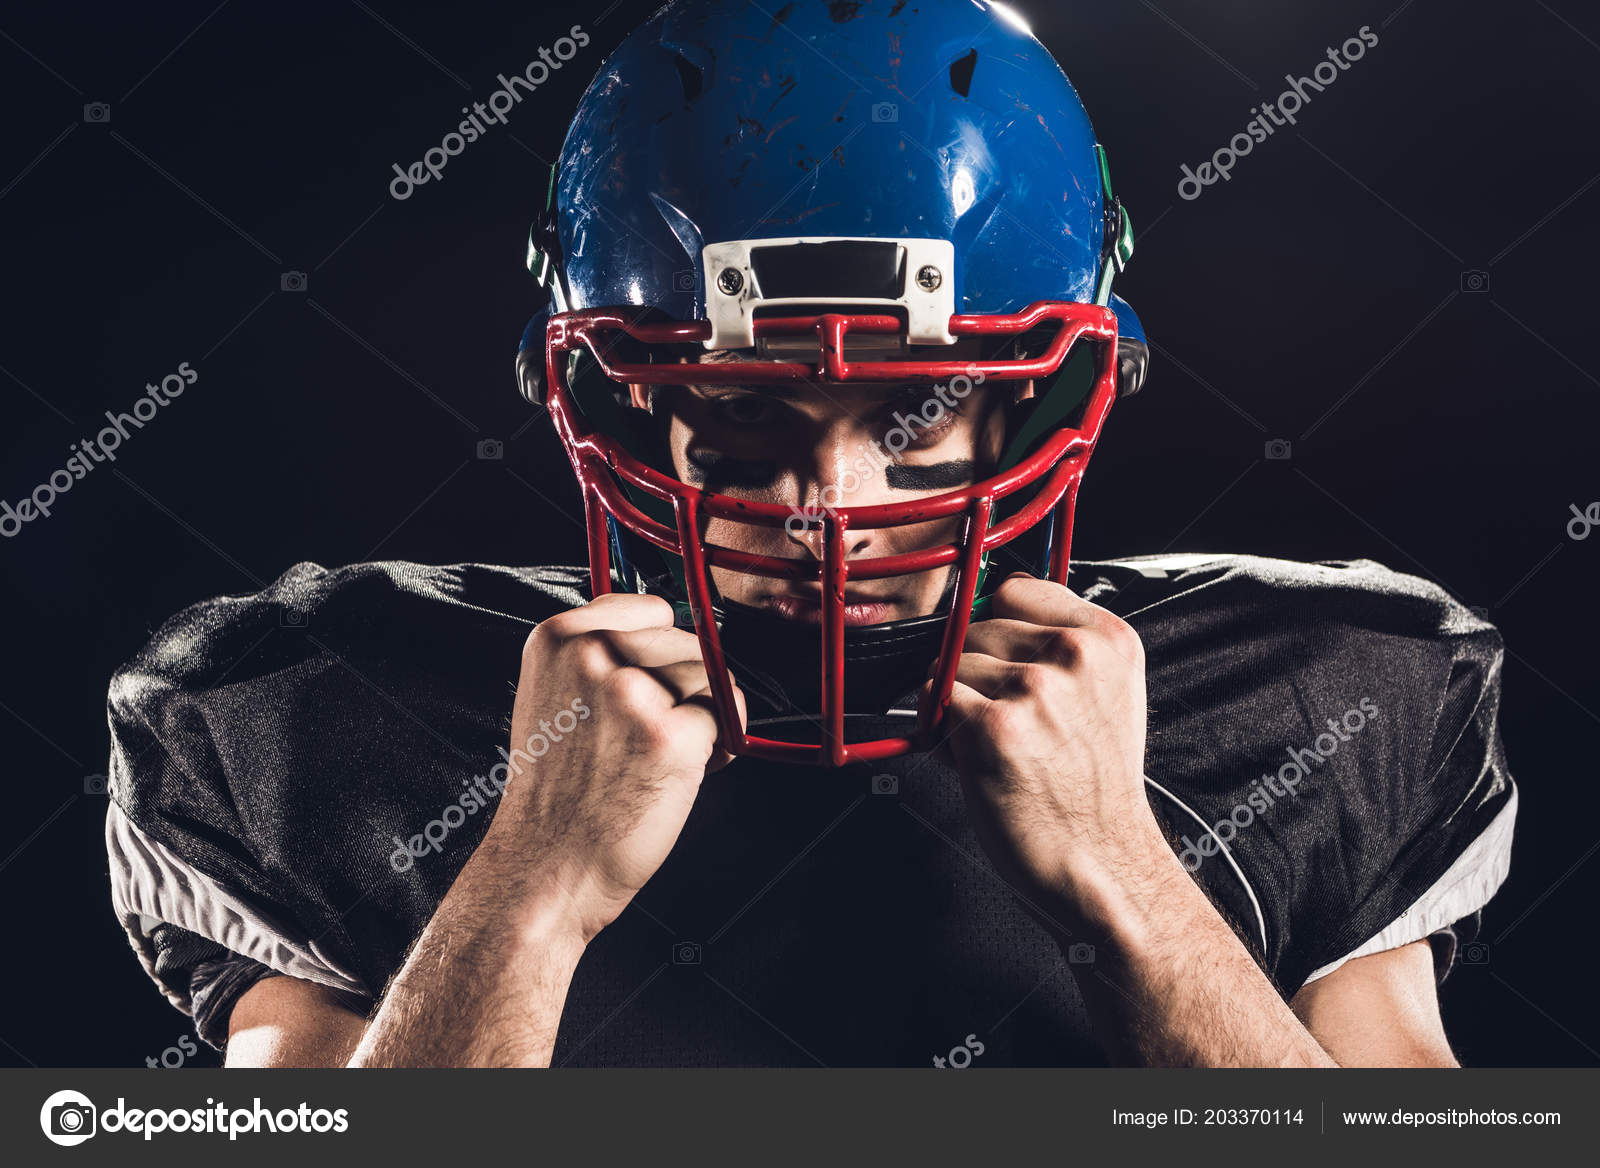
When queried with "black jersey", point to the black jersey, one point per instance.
{"points": [[298, 775]]}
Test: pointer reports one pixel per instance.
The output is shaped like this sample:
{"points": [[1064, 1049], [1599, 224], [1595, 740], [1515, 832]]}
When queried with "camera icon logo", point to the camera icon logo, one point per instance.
{"points": [[491, 450], [885, 112], [686, 953], [292, 618], [292, 282], [95, 784], [1474, 280], [67, 1118], [1080, 954], [683, 281], [97, 113], [1279, 450], [885, 785], [1475, 953]]}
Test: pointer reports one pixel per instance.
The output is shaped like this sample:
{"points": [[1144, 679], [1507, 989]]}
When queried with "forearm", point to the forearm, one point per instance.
{"points": [[485, 984], [1170, 983]]}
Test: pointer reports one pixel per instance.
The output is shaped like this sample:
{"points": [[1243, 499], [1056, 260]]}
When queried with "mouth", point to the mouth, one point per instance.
{"points": [[806, 607]]}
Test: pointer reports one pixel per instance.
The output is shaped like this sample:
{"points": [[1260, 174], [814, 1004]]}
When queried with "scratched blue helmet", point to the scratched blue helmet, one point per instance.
{"points": [[828, 192]]}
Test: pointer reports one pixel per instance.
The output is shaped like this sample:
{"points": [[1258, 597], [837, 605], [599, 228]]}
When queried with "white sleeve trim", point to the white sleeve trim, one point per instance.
{"points": [[1467, 885], [151, 884], [1227, 854]]}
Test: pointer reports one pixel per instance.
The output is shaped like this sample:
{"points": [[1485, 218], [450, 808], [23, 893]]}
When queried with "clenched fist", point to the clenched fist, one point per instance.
{"points": [[592, 819], [1047, 728]]}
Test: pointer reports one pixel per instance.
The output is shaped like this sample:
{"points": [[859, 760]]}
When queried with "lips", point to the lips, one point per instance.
{"points": [[807, 607]]}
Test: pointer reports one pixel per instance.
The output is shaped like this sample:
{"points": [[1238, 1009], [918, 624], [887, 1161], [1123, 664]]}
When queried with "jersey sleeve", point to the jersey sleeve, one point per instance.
{"points": [[275, 756], [1325, 746], [1406, 833], [1446, 826], [207, 915]]}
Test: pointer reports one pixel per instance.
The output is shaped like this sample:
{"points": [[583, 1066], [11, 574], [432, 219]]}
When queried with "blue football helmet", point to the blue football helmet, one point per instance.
{"points": [[828, 193]]}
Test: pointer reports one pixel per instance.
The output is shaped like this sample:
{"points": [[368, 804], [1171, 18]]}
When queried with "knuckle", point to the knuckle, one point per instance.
{"points": [[1064, 646], [549, 634], [591, 657], [654, 607], [649, 736], [1034, 677], [632, 690], [538, 642], [692, 722], [534, 645], [1014, 587], [685, 645], [1123, 638], [999, 721], [612, 643]]}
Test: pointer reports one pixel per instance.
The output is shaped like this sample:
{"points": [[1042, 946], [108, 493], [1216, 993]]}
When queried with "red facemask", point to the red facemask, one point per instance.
{"points": [[1047, 479]]}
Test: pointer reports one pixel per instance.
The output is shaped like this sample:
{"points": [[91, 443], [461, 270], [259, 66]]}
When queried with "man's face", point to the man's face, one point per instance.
{"points": [[815, 449]]}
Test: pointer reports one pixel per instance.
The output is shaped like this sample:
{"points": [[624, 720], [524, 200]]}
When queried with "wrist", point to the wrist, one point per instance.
{"points": [[1120, 887], [539, 904]]}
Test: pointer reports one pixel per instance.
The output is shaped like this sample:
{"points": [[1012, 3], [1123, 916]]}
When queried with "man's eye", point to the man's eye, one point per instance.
{"points": [[924, 426], [745, 409], [924, 437]]}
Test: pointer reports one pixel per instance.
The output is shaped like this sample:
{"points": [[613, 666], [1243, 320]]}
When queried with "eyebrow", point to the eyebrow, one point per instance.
{"points": [[706, 465]]}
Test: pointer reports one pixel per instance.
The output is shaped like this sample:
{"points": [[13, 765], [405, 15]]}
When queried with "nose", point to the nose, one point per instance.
{"points": [[845, 470]]}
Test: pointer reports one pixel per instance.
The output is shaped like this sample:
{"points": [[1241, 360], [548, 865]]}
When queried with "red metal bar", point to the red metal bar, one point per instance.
{"points": [[594, 516], [1077, 320], [698, 578], [836, 572], [1061, 540], [832, 330], [955, 631]]}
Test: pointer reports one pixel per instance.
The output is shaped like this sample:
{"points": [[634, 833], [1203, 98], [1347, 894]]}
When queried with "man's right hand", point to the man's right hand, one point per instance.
{"points": [[585, 824], [622, 702]]}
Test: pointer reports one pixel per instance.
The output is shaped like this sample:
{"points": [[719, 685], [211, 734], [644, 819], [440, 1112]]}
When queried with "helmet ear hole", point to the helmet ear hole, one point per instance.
{"points": [[1133, 362], [690, 76], [961, 73], [530, 377]]}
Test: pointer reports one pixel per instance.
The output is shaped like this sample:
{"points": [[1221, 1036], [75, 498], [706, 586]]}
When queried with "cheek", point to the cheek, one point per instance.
{"points": [[747, 537], [678, 435], [992, 442]]}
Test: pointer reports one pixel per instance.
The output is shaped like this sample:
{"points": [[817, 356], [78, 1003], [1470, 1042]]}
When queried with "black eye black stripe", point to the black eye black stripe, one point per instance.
{"points": [[938, 476], [710, 467]]}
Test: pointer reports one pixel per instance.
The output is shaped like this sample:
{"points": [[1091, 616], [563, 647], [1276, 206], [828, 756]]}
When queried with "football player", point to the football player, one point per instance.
{"points": [[830, 755]]}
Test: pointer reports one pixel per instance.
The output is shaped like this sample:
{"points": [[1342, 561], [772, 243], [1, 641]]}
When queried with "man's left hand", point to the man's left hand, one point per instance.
{"points": [[1047, 728]]}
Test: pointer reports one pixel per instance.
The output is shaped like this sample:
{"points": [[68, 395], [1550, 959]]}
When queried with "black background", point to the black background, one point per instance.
{"points": [[1316, 297]]}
